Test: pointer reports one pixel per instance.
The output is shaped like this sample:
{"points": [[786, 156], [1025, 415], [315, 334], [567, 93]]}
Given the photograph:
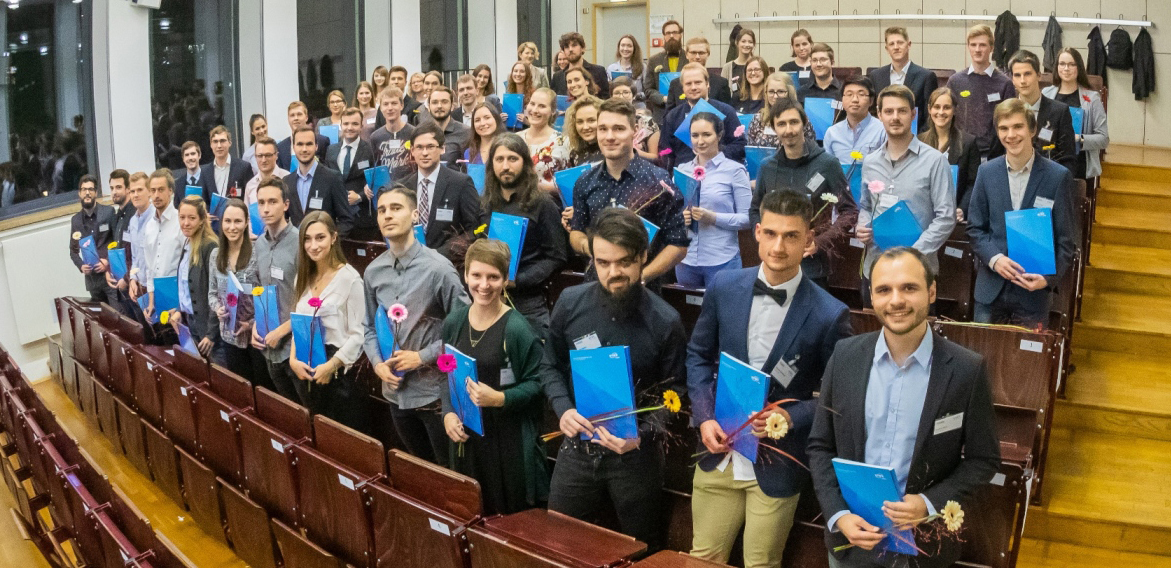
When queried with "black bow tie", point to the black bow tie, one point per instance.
{"points": [[761, 288]]}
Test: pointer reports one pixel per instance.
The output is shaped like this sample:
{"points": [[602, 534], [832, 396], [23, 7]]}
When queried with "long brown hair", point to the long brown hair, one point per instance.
{"points": [[1083, 80], [476, 139], [525, 88], [931, 135], [203, 234], [306, 268], [591, 86], [369, 87], [377, 89], [635, 57], [745, 86], [245, 244], [526, 191], [488, 89]]}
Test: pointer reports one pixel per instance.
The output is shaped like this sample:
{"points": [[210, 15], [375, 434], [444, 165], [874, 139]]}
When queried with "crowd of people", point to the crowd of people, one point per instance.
{"points": [[284, 208]]}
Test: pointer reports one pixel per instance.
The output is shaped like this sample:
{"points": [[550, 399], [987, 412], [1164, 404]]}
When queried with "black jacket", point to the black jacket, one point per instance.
{"points": [[203, 322], [1143, 83], [964, 153], [920, 80], [101, 225], [181, 180], [718, 89], [1054, 117], [1008, 39], [355, 181], [327, 185], [601, 79], [1096, 59], [284, 151], [454, 194], [1051, 44], [239, 173]]}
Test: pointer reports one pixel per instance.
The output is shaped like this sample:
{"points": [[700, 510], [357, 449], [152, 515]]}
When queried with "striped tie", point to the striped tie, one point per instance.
{"points": [[424, 202]]}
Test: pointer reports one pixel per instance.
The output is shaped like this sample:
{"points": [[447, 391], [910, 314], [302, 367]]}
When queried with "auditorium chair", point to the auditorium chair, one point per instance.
{"points": [[163, 462], [107, 413], [55, 363], [85, 393], [132, 437], [266, 440], [224, 396], [299, 552], [674, 559], [844, 74], [247, 529], [66, 324], [201, 491], [845, 270], [687, 301], [98, 350], [117, 550], [144, 360], [361, 253], [956, 281], [164, 554], [178, 410], [77, 316], [121, 382], [541, 538], [559, 282]]}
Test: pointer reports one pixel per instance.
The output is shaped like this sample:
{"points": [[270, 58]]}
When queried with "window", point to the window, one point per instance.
{"points": [[328, 49], [193, 76], [533, 23], [46, 91], [444, 35]]}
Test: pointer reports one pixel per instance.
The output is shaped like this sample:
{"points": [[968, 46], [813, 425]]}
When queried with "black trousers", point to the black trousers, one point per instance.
{"points": [[421, 431], [247, 362], [286, 383], [340, 399]]}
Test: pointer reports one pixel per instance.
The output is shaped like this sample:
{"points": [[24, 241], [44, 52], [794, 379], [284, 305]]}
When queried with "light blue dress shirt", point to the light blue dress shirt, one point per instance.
{"points": [[304, 181], [139, 248], [725, 191], [841, 140], [185, 289]]}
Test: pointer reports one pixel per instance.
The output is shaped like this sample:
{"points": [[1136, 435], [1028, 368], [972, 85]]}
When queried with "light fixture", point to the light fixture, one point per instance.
{"points": [[24, 38], [44, 50]]}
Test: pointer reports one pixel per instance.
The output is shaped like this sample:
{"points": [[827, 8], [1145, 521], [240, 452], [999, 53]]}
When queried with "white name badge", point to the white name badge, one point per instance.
{"points": [[1045, 134], [363, 164], [104, 228], [315, 203], [783, 373], [127, 237], [836, 104], [1042, 203], [768, 131], [394, 144], [949, 423], [588, 341], [276, 273], [444, 215], [815, 182], [993, 97], [507, 377], [887, 200], [803, 74], [370, 120]]}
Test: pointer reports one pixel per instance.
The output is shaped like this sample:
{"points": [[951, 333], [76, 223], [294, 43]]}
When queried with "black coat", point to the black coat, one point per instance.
{"points": [[180, 176], [921, 81], [101, 227], [1096, 58], [718, 89], [453, 191], [1051, 44], [327, 185], [355, 181], [1008, 39], [239, 173], [1143, 82], [601, 79]]}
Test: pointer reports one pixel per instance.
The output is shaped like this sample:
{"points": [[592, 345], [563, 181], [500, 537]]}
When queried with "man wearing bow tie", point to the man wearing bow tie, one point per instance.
{"points": [[777, 320]]}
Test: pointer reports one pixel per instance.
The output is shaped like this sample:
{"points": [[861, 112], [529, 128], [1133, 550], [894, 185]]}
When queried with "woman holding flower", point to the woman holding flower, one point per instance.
{"points": [[719, 208], [233, 258], [331, 290], [548, 148], [507, 461], [198, 245]]}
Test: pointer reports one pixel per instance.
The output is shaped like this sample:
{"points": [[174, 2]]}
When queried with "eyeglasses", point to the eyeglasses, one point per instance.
{"points": [[820, 61], [426, 147], [265, 156], [755, 71], [1066, 64], [777, 93]]}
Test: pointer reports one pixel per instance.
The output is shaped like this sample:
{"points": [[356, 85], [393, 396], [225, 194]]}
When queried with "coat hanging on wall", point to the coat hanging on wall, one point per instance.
{"points": [[1143, 82], [733, 50], [1051, 44], [1096, 60], [1008, 39]]}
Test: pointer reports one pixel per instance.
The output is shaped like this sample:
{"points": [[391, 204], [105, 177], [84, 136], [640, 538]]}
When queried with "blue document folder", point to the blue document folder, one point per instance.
{"points": [[1029, 233], [617, 74], [89, 250], [509, 229], [955, 180], [563, 103], [603, 384], [186, 342], [821, 114], [651, 229], [254, 220], [741, 391], [865, 487], [853, 173], [559, 123], [193, 190], [796, 76], [117, 258], [476, 172], [1078, 115], [465, 369], [166, 294], [512, 104], [756, 156], [331, 131], [665, 79], [746, 120], [377, 178], [218, 204], [688, 186], [387, 344], [143, 302], [308, 339], [896, 227], [567, 178], [268, 315], [420, 235], [683, 133]]}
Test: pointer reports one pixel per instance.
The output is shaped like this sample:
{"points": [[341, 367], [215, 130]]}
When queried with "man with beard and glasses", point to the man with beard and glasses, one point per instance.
{"points": [[573, 45], [908, 399], [510, 187], [455, 134], [666, 61], [617, 310], [94, 220]]}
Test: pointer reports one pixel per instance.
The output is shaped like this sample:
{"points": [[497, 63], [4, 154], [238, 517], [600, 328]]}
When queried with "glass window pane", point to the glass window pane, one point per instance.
{"points": [[533, 22], [445, 35], [329, 58]]}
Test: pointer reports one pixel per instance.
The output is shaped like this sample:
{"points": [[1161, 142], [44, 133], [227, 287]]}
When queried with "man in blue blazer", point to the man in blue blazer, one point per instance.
{"points": [[695, 87], [775, 319], [312, 186], [902, 71], [235, 173], [1021, 179]]}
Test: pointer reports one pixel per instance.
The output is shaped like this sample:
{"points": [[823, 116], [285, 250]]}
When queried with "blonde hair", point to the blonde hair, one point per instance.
{"points": [[576, 143], [780, 77], [203, 233], [980, 30], [528, 45]]}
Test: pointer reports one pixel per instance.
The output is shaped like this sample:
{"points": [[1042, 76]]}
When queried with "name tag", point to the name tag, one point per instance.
{"points": [[948, 423], [1042, 203], [104, 228], [835, 104], [363, 164], [444, 215], [783, 373], [588, 341], [315, 203], [127, 237], [394, 144], [735, 84], [507, 377], [803, 74], [371, 120], [1045, 134], [887, 200], [815, 182], [768, 131], [276, 273], [994, 97]]}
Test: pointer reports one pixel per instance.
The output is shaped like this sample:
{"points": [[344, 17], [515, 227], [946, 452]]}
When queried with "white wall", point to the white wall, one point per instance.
{"points": [[121, 75], [378, 31], [406, 33]]}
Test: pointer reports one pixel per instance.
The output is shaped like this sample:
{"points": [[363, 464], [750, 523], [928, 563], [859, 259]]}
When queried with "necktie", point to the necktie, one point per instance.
{"points": [[760, 288], [424, 199], [346, 161], [191, 180]]}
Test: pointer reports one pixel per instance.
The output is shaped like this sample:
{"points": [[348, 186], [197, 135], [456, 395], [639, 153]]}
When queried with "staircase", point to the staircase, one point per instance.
{"points": [[1107, 495]]}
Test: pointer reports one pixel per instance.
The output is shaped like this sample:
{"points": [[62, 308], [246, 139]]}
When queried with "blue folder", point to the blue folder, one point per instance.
{"points": [[603, 383], [254, 219], [688, 186], [617, 74], [796, 76], [865, 487], [745, 120], [218, 204], [651, 229], [268, 315], [377, 178], [756, 156], [166, 294], [665, 79], [465, 369], [420, 235], [741, 391], [143, 302], [331, 131], [896, 227], [563, 103], [1029, 233], [853, 173], [476, 172], [683, 133], [512, 104], [955, 181], [821, 114], [117, 258], [193, 190], [1078, 116], [89, 251], [510, 229], [387, 344], [567, 178], [559, 123], [186, 342], [309, 339]]}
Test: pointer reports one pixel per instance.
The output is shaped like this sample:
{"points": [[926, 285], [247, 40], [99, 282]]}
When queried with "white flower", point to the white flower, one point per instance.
{"points": [[829, 198]]}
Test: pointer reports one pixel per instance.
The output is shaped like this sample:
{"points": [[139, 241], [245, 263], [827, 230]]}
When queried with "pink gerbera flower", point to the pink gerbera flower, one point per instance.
{"points": [[315, 302], [876, 186], [398, 313], [446, 363]]}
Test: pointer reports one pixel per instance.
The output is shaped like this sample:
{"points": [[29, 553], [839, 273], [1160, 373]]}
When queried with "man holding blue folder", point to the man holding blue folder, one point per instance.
{"points": [[276, 267], [616, 310], [779, 321], [91, 227], [1022, 179], [696, 87], [163, 235], [909, 401]]}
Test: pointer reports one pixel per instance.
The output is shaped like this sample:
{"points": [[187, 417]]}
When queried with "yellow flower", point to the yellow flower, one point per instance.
{"points": [[112, 245], [407, 144], [856, 155], [953, 516], [671, 401], [681, 97], [164, 317], [76, 235], [1049, 147], [775, 426], [965, 93], [257, 291], [480, 230]]}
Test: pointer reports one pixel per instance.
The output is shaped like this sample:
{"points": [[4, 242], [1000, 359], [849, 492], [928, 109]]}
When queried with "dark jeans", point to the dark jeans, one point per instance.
{"points": [[1017, 306], [421, 431], [340, 399], [247, 362], [286, 383], [587, 474]]}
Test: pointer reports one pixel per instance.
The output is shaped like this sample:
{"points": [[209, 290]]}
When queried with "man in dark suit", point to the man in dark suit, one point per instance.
{"points": [[666, 61], [902, 71], [448, 203], [224, 176], [312, 187], [573, 45], [298, 117], [1053, 137], [1021, 179], [907, 399], [776, 320], [350, 157], [695, 87], [823, 84], [191, 173], [698, 50], [94, 220], [398, 78]]}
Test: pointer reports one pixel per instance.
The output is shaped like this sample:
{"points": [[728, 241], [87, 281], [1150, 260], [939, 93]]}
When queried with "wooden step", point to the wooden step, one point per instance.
{"points": [[1131, 227], [1128, 269], [1124, 322], [1136, 172], [1045, 554], [1118, 393], [1106, 490], [1136, 195]]}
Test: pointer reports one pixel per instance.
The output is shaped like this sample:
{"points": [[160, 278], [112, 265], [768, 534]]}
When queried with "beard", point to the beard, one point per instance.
{"points": [[508, 180], [673, 47], [621, 303]]}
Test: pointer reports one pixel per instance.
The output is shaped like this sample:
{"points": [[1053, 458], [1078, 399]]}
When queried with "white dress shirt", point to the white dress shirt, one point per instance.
{"points": [[1018, 182], [221, 175], [342, 313], [341, 155], [898, 77], [166, 244], [140, 245]]}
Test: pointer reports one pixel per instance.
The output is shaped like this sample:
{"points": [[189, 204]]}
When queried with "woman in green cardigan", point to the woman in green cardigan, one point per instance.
{"points": [[508, 461]]}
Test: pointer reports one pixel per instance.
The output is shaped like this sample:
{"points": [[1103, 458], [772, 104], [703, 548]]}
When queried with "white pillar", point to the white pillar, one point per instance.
{"points": [[378, 33], [482, 39], [268, 63], [406, 34], [121, 74], [507, 38]]}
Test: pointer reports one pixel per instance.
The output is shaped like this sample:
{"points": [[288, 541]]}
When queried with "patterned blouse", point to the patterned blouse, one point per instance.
{"points": [[217, 293], [761, 135], [550, 156]]}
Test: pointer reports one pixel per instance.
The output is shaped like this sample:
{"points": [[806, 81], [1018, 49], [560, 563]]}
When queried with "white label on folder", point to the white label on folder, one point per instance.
{"points": [[363, 164], [183, 391], [1045, 134], [887, 200], [803, 74], [440, 527], [587, 341], [170, 352], [952, 251], [278, 446], [276, 273], [993, 97], [694, 299], [998, 479], [224, 416], [949, 423], [345, 481], [315, 203], [1034, 346], [1042, 203], [444, 215], [783, 373], [507, 377], [856, 243], [815, 182], [361, 252]]}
